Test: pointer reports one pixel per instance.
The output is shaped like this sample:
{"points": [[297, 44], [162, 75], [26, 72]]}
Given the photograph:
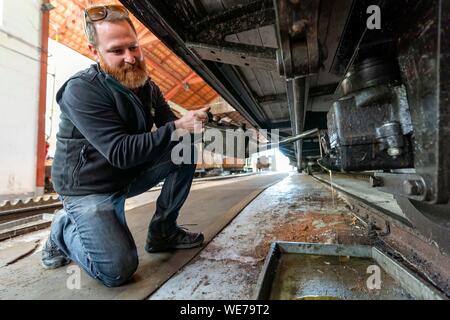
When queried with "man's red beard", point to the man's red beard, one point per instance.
{"points": [[130, 76]]}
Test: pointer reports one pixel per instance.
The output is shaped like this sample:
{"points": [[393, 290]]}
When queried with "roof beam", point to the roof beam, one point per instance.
{"points": [[81, 5], [162, 70], [212, 99], [174, 91], [205, 102], [148, 39]]}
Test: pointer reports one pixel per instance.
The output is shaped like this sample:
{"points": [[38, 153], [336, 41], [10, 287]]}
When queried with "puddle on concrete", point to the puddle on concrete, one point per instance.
{"points": [[312, 227], [312, 277]]}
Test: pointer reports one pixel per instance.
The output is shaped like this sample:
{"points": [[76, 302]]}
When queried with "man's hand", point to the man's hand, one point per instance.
{"points": [[193, 121]]}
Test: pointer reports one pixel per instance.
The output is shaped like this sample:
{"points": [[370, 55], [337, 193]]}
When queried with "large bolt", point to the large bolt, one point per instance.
{"points": [[413, 187], [394, 152]]}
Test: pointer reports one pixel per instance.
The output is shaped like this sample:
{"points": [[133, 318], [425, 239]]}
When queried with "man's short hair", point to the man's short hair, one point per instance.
{"points": [[112, 16]]}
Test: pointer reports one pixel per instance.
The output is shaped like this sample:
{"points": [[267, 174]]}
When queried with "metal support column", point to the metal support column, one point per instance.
{"points": [[297, 90]]}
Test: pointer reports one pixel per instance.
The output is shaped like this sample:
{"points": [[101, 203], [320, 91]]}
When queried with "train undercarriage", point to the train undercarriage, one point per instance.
{"points": [[373, 76]]}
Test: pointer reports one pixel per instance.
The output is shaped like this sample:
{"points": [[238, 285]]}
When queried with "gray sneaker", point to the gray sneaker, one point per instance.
{"points": [[52, 257]]}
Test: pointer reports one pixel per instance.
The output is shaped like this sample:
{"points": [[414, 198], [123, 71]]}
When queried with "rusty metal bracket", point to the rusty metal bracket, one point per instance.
{"points": [[407, 185], [297, 25], [431, 220]]}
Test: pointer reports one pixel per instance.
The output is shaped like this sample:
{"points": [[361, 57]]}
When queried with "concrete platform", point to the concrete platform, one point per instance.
{"points": [[209, 208]]}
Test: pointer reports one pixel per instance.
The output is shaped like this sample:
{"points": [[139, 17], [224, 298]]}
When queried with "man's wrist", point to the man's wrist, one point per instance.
{"points": [[177, 124]]}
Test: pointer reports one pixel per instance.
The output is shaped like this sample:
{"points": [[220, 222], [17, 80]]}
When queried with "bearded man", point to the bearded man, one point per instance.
{"points": [[107, 152]]}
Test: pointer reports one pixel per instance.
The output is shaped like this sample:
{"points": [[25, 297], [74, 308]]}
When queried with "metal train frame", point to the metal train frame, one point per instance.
{"points": [[373, 75]]}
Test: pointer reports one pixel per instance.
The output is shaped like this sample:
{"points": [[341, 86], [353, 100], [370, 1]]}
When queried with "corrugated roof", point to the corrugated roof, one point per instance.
{"points": [[177, 81]]}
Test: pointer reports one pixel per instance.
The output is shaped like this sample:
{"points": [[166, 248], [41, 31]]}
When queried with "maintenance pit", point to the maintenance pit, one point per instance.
{"points": [[308, 271], [330, 278]]}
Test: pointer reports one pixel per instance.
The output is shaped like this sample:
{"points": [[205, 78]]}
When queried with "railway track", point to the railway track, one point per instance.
{"points": [[14, 214], [24, 216]]}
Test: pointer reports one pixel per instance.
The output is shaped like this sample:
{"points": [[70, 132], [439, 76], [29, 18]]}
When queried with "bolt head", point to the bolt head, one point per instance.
{"points": [[299, 26], [413, 187], [394, 152]]}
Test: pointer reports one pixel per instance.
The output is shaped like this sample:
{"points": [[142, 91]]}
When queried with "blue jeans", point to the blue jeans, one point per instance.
{"points": [[92, 231]]}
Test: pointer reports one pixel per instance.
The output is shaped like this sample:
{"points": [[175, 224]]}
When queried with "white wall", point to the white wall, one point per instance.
{"points": [[20, 32], [63, 62], [1, 12]]}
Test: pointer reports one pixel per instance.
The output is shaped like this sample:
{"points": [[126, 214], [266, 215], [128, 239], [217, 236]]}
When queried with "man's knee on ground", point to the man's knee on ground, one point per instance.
{"points": [[121, 269]]}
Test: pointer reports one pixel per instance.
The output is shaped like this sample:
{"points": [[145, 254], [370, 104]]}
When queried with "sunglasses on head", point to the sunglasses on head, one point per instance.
{"points": [[98, 13]]}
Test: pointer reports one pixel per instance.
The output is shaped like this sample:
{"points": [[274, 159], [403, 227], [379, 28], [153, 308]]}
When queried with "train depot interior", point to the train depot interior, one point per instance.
{"points": [[338, 190]]}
